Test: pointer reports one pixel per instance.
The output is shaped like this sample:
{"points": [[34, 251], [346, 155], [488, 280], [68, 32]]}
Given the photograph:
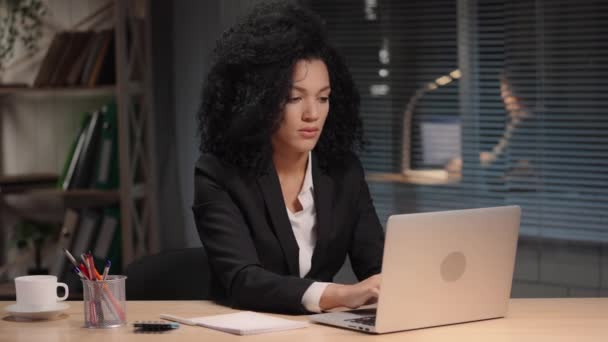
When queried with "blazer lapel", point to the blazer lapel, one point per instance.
{"points": [[273, 198], [323, 192]]}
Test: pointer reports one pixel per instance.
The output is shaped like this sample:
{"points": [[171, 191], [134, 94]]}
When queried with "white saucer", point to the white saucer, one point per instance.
{"points": [[47, 313]]}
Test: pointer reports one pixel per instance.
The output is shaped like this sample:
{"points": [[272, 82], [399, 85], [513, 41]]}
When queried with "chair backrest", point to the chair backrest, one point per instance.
{"points": [[181, 274]]}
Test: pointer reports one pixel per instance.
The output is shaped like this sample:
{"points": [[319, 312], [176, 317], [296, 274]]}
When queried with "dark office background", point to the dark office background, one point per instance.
{"points": [[540, 141], [507, 106]]}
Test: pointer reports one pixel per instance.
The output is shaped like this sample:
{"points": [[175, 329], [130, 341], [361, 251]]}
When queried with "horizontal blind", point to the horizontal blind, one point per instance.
{"points": [[398, 47], [532, 121], [556, 59]]}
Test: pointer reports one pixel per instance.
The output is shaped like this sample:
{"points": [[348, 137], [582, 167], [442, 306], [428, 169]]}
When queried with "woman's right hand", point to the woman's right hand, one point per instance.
{"points": [[351, 296]]}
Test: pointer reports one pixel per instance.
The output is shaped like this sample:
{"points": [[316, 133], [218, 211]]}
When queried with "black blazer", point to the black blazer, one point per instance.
{"points": [[243, 223]]}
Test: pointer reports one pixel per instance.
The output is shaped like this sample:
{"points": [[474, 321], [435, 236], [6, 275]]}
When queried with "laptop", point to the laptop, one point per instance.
{"points": [[440, 268]]}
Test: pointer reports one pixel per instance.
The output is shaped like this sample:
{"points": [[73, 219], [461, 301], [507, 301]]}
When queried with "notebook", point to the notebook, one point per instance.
{"points": [[240, 323]]}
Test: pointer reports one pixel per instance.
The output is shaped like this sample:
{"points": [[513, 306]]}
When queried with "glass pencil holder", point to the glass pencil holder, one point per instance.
{"points": [[105, 305]]}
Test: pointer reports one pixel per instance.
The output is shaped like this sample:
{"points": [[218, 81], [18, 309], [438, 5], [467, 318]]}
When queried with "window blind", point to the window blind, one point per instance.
{"points": [[556, 58], [526, 115]]}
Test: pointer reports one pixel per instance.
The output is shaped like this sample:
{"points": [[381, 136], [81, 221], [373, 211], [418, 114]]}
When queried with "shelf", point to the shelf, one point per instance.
{"points": [[82, 198], [24, 182], [89, 198], [419, 177], [48, 205], [108, 90], [103, 90]]}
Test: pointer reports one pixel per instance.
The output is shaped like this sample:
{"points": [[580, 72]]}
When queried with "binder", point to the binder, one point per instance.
{"points": [[106, 173], [83, 174], [75, 154]]}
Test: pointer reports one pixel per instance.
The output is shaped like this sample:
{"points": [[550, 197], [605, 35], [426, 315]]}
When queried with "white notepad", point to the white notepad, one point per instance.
{"points": [[240, 323]]}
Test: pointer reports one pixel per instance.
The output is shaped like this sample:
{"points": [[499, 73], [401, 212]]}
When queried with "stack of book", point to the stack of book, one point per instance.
{"points": [[78, 58]]}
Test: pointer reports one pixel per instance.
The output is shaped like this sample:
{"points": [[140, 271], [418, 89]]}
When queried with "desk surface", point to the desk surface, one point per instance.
{"points": [[535, 320]]}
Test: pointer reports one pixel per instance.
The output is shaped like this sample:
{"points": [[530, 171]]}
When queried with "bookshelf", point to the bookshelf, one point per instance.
{"points": [[131, 91]]}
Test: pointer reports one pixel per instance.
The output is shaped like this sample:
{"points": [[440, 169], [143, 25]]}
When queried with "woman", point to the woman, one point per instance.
{"points": [[280, 197]]}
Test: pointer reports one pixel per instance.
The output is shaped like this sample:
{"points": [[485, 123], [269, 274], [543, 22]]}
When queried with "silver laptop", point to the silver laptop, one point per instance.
{"points": [[440, 268]]}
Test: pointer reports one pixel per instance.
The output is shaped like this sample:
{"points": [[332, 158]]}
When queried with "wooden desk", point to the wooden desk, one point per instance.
{"points": [[535, 320]]}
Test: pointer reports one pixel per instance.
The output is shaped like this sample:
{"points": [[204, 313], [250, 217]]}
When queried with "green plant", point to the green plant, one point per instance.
{"points": [[20, 21]]}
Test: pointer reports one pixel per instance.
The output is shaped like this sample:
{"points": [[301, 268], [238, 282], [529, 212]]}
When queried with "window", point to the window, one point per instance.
{"points": [[508, 99]]}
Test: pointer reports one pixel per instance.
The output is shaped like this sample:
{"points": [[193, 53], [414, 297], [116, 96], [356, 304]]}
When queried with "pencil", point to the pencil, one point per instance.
{"points": [[77, 271], [106, 269], [70, 257], [85, 261]]}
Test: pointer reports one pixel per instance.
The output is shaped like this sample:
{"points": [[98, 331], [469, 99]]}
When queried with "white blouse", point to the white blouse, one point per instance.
{"points": [[304, 225]]}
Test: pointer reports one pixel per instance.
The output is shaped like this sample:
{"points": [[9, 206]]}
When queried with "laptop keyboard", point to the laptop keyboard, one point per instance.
{"points": [[369, 320]]}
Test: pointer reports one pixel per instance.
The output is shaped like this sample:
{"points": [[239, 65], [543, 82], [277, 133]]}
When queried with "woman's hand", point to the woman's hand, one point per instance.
{"points": [[351, 296]]}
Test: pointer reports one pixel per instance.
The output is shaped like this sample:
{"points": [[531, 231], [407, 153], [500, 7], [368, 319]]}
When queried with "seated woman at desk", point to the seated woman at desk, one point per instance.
{"points": [[280, 197]]}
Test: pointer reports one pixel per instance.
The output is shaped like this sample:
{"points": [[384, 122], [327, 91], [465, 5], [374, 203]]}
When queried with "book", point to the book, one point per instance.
{"points": [[107, 74], [74, 72], [66, 236], [69, 39], [107, 232], [93, 48], [72, 50], [82, 239], [89, 220], [108, 242], [103, 60], [241, 323], [51, 58]]}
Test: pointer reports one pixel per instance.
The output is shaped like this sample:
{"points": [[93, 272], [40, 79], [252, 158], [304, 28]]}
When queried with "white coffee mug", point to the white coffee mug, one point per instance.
{"points": [[38, 292]]}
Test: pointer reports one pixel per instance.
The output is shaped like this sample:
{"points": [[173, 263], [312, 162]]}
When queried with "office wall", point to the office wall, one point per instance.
{"points": [[171, 221], [560, 269], [184, 35]]}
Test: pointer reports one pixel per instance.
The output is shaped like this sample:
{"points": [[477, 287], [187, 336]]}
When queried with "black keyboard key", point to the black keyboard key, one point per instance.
{"points": [[369, 320]]}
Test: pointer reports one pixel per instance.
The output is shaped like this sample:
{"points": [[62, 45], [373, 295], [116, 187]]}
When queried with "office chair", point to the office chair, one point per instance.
{"points": [[181, 274]]}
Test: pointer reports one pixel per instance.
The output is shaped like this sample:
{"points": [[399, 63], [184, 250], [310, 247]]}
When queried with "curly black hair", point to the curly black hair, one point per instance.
{"points": [[250, 79]]}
